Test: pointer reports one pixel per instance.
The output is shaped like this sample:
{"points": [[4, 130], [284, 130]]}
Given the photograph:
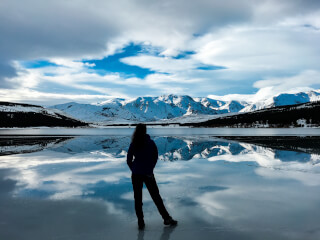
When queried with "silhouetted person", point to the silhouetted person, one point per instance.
{"points": [[142, 158]]}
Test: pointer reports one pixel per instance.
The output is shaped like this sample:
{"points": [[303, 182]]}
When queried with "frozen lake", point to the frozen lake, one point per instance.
{"points": [[162, 131], [230, 187]]}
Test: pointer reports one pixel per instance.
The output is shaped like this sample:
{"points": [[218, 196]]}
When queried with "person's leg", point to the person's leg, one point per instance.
{"points": [[137, 183], [152, 187]]}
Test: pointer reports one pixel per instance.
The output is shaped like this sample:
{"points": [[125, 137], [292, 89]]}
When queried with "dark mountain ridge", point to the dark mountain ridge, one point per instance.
{"points": [[298, 115], [28, 115]]}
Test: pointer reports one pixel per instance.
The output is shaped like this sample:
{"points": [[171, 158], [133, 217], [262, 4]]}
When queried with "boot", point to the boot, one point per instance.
{"points": [[170, 222]]}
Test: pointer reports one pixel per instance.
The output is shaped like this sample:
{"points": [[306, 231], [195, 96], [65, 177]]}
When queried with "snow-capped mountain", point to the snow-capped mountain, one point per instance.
{"points": [[283, 99], [173, 107], [148, 108]]}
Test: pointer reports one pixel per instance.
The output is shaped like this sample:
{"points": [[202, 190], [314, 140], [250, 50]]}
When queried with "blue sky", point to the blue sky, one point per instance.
{"points": [[113, 64], [93, 51]]}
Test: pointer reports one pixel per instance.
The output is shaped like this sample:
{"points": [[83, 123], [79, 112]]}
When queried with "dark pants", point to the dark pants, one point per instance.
{"points": [[151, 184]]}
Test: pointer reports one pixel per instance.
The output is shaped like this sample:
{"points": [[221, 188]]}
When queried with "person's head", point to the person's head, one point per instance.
{"points": [[139, 135]]}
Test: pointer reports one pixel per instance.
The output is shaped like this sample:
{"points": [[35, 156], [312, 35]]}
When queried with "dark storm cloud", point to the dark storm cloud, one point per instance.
{"points": [[43, 29], [6, 72], [33, 29], [299, 6]]}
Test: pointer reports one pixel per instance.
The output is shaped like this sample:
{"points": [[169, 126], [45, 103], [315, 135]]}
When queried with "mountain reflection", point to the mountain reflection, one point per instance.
{"points": [[16, 145], [301, 149]]}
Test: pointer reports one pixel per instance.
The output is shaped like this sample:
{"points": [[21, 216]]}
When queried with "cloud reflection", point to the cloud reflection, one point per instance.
{"points": [[216, 185]]}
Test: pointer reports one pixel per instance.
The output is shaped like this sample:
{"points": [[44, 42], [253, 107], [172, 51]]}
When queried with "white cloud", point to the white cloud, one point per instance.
{"points": [[160, 64], [252, 55], [87, 85], [274, 86], [45, 98], [305, 78], [267, 49]]}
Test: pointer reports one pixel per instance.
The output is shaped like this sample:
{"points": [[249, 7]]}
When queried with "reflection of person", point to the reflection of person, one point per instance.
{"points": [[166, 232], [145, 153]]}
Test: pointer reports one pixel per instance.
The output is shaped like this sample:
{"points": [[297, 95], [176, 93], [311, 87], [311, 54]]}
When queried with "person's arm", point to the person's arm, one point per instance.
{"points": [[130, 157], [154, 153]]}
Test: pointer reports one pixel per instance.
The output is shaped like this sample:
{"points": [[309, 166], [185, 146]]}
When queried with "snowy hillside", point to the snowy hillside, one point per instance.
{"points": [[26, 115], [27, 108], [173, 108]]}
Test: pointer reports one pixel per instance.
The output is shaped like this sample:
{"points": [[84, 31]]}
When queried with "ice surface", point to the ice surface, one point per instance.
{"points": [[80, 188], [167, 131]]}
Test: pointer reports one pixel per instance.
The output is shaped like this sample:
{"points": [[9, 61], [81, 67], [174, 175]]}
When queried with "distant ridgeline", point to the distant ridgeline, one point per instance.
{"points": [[27, 115], [298, 115]]}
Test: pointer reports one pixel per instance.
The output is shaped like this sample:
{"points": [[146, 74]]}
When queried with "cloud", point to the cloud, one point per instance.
{"points": [[253, 40], [6, 72], [78, 83], [264, 49], [304, 81], [305, 78], [45, 98], [35, 29], [249, 53], [160, 64]]}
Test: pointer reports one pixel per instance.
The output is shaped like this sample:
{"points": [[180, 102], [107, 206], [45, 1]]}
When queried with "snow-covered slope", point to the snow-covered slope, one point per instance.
{"points": [[173, 108], [27, 108]]}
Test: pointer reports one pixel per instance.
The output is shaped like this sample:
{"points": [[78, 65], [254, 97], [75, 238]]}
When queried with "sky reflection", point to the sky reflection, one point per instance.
{"points": [[214, 187]]}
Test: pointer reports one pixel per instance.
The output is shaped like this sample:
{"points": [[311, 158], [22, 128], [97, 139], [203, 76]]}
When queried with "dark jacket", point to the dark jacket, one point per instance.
{"points": [[145, 158]]}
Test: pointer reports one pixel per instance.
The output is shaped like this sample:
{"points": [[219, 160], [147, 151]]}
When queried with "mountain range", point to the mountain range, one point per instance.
{"points": [[164, 110], [173, 107]]}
